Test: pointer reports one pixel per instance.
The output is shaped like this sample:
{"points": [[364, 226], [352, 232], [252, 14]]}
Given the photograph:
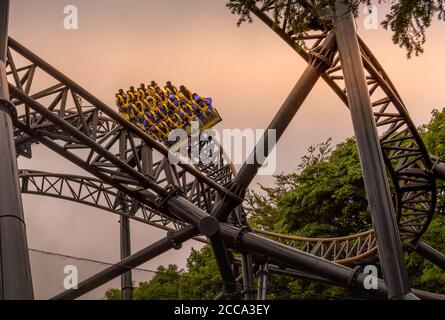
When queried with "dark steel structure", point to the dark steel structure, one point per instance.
{"points": [[15, 272], [131, 174]]}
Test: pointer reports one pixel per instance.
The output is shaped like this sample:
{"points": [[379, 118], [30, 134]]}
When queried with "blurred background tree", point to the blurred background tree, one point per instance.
{"points": [[408, 20]]}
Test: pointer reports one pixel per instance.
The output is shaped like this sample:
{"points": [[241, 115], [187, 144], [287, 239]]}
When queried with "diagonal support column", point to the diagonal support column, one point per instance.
{"points": [[320, 60], [209, 226], [15, 272], [431, 254], [371, 159]]}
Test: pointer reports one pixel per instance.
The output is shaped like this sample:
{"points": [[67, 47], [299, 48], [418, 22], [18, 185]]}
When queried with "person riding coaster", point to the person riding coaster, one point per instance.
{"points": [[138, 110], [162, 111], [188, 112], [121, 105], [175, 122], [205, 103], [163, 130], [170, 88], [185, 93], [142, 90], [158, 110]]}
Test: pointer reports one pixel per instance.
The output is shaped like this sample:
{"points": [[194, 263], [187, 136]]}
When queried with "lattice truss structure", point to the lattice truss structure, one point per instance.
{"points": [[130, 174]]}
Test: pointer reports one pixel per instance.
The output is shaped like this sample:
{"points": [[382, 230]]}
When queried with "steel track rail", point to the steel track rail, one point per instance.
{"points": [[93, 192]]}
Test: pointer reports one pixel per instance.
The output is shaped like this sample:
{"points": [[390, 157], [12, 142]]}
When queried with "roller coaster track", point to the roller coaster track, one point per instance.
{"points": [[93, 192], [78, 126], [407, 161], [142, 171]]}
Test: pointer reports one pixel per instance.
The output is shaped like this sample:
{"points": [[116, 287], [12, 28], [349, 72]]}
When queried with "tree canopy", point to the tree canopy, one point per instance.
{"points": [[408, 20]]}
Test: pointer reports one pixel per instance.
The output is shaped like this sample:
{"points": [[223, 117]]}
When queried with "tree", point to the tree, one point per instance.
{"points": [[200, 281], [326, 198], [408, 20], [164, 285], [433, 135]]}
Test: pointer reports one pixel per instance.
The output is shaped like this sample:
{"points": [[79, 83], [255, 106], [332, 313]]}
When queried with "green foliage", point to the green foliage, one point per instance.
{"points": [[326, 198], [408, 20], [201, 281], [424, 274], [433, 135]]}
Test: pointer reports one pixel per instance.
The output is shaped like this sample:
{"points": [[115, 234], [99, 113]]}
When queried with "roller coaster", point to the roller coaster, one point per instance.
{"points": [[130, 173]]}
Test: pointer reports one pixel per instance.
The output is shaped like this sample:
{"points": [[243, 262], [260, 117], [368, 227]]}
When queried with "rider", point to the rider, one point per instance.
{"points": [[204, 103], [175, 122], [142, 90], [170, 88], [163, 130], [188, 112], [185, 94], [120, 102], [138, 109]]}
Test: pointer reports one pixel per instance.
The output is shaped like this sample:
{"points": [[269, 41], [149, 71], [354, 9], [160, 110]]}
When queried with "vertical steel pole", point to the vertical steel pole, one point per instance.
{"points": [[15, 272], [125, 243], [371, 159], [126, 278], [246, 265], [262, 282]]}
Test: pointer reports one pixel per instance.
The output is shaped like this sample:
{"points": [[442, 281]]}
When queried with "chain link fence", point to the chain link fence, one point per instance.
{"points": [[48, 274]]}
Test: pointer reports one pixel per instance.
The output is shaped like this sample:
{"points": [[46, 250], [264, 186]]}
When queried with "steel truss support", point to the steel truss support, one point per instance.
{"points": [[15, 272], [371, 159]]}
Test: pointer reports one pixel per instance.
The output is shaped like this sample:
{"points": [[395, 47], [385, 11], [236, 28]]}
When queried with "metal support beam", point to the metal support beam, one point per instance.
{"points": [[321, 60], [125, 237], [439, 169], [209, 226], [15, 272], [371, 159], [126, 278], [300, 260], [380, 293], [246, 266], [262, 281], [431, 254]]}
